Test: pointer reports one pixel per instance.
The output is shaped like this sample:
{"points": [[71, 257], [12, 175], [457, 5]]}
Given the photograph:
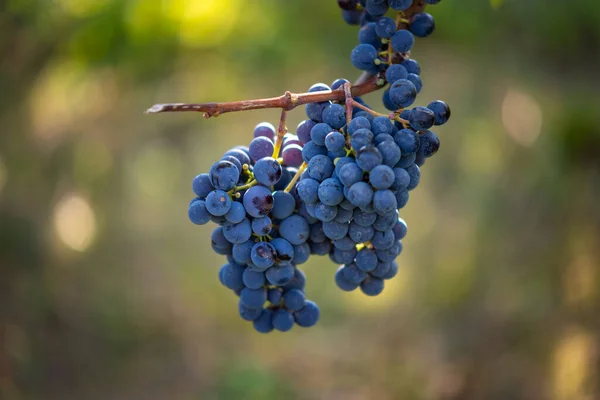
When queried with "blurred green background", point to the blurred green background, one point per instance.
{"points": [[108, 292]]}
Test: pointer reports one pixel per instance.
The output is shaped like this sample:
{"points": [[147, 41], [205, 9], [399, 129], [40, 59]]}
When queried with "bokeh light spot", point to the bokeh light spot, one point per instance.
{"points": [[522, 117], [572, 362], [75, 222], [79, 8]]}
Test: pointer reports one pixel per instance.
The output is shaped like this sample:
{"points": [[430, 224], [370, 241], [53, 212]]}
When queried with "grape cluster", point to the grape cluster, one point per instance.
{"points": [[259, 229], [334, 188]]}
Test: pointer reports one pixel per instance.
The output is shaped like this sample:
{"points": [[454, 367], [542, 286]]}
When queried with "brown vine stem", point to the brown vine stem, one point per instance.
{"points": [[287, 101]]}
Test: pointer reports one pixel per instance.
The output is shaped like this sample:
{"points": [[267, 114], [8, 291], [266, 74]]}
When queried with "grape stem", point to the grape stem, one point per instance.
{"points": [[288, 101], [393, 116], [301, 170], [281, 131], [243, 187]]}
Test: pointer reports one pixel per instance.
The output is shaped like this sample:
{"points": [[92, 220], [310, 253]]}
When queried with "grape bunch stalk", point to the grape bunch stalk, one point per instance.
{"points": [[335, 186]]}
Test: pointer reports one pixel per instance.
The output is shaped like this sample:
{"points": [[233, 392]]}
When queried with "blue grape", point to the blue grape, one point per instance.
{"points": [[249, 314], [253, 279], [389, 254], [400, 229], [294, 299], [345, 243], [262, 226], [308, 190], [372, 286], [335, 230], [335, 141], [358, 123], [292, 155], [320, 167], [198, 213], [403, 93], [301, 253], [236, 213], [377, 8], [330, 192], [406, 160], [364, 218], [311, 150], [441, 111], [343, 216], [319, 132], [385, 27], [344, 283], [382, 125], [384, 201], [390, 153], [264, 323], [383, 240], [353, 274], [258, 201], [263, 255], [403, 41], [231, 276], [202, 186], [360, 234], [366, 260], [401, 179], [298, 282], [382, 270], [412, 66], [218, 203], [335, 116], [267, 171], [283, 320], [237, 233], [387, 101], [224, 175], [402, 197], [421, 118], [308, 315], [241, 252], [325, 213], [303, 130], [339, 83], [429, 143], [253, 298], [415, 176], [407, 140], [363, 56], [368, 35], [284, 251], [265, 129], [382, 177], [294, 229], [360, 194], [283, 205], [241, 155], [416, 81], [234, 161], [393, 271], [386, 222], [422, 24], [261, 147], [343, 256], [280, 275], [400, 5], [304, 213], [382, 138], [361, 138], [320, 249], [368, 158]]}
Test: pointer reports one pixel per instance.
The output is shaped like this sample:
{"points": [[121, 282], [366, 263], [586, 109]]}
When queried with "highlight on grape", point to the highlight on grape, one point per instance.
{"points": [[335, 186]]}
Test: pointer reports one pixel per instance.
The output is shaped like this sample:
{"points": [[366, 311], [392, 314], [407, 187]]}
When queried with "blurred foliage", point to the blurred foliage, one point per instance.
{"points": [[107, 291]]}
